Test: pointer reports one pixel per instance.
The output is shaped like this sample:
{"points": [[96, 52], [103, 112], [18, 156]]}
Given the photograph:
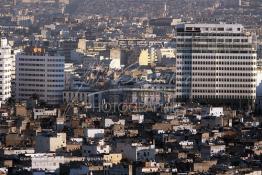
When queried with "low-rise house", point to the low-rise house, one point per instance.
{"points": [[21, 110], [50, 162], [156, 168], [118, 130], [186, 144], [139, 118], [113, 158], [13, 139], [201, 167], [10, 152], [132, 132], [71, 147], [46, 142], [95, 148], [109, 122], [162, 126], [137, 151], [93, 133], [208, 151], [44, 113]]}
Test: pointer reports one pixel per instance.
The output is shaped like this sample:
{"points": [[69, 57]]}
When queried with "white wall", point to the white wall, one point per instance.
{"points": [[137, 152], [109, 122], [38, 113], [93, 133], [138, 117]]}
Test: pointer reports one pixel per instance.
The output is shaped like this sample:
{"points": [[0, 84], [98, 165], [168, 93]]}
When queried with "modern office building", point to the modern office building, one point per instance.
{"points": [[215, 61], [40, 73], [6, 55]]}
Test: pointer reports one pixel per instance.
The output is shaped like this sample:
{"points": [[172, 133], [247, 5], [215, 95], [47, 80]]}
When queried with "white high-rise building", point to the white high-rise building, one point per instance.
{"points": [[39, 73], [6, 55], [215, 61]]}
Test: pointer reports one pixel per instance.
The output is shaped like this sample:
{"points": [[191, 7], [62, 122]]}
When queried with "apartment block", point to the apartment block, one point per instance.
{"points": [[215, 61], [40, 73]]}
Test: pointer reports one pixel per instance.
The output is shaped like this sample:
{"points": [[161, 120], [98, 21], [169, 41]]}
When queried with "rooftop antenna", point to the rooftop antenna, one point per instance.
{"points": [[165, 14]]}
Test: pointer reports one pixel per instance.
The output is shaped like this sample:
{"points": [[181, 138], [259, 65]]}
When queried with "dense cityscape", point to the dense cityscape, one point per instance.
{"points": [[130, 87]]}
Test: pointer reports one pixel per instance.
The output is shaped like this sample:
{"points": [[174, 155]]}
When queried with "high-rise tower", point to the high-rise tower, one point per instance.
{"points": [[215, 61], [5, 69], [40, 73]]}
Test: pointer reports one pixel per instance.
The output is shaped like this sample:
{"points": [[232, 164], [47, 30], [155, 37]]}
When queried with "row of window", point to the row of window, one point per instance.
{"points": [[29, 95], [55, 60], [31, 59], [32, 90], [55, 75], [211, 40], [219, 85], [216, 79], [209, 34], [27, 64], [5, 87], [37, 80], [33, 75], [32, 85], [226, 46], [5, 82], [6, 65], [42, 59], [31, 70], [55, 70], [230, 97], [6, 93], [223, 91], [210, 29], [55, 80], [226, 85], [218, 68], [55, 85], [5, 70], [6, 76], [55, 65], [216, 51], [217, 91], [213, 57], [42, 75], [54, 90], [74, 94], [217, 62], [214, 74]]}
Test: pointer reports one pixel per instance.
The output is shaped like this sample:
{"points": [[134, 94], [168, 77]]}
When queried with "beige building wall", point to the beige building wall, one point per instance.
{"points": [[144, 58], [82, 45], [57, 142], [113, 158]]}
